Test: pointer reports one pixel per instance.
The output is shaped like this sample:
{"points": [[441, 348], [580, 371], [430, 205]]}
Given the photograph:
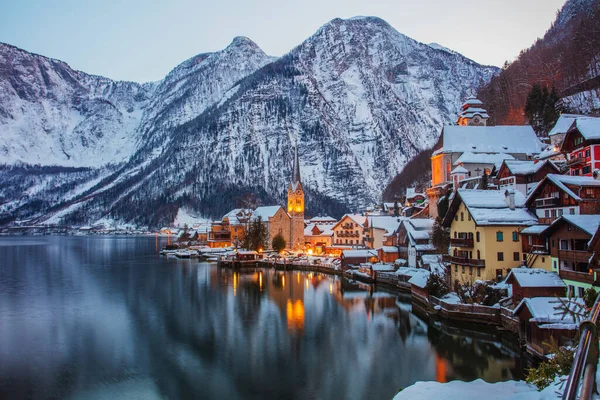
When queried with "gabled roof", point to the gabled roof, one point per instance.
{"points": [[265, 212], [325, 219], [563, 123], [589, 127], [356, 218], [459, 170], [489, 139], [469, 157], [561, 181], [489, 207], [535, 277], [523, 167], [359, 253], [324, 230], [587, 223], [387, 223], [548, 309]]}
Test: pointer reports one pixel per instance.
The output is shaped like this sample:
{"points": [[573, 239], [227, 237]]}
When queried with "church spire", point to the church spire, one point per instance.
{"points": [[296, 173]]}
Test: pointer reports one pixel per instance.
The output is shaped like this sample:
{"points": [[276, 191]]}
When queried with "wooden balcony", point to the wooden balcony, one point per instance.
{"points": [[469, 262], [461, 242], [583, 277], [547, 202], [578, 256], [576, 161]]}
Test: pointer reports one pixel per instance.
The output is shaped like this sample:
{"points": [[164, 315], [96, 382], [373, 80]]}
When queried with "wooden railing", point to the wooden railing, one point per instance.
{"points": [[548, 201], [469, 262], [461, 242], [574, 255], [576, 276]]}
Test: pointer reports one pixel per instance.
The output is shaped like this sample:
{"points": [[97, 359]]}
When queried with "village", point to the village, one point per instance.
{"points": [[506, 235]]}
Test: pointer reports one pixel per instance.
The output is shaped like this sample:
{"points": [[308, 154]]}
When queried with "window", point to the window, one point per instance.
{"points": [[455, 235], [462, 216], [516, 256], [478, 254], [499, 236], [572, 211], [477, 236], [560, 212], [547, 213], [455, 268], [543, 259], [515, 235], [463, 269], [469, 216], [571, 291], [586, 170], [580, 291], [456, 217], [470, 270], [554, 265], [553, 213], [564, 244], [587, 153], [500, 256]]}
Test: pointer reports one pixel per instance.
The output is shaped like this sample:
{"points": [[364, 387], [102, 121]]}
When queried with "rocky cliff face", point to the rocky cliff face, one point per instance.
{"points": [[358, 97]]}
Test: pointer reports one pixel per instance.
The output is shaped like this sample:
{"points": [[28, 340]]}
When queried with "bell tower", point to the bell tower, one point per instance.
{"points": [[472, 113], [295, 207]]}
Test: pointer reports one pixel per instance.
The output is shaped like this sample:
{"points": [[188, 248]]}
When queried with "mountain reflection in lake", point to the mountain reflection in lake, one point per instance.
{"points": [[106, 317]]}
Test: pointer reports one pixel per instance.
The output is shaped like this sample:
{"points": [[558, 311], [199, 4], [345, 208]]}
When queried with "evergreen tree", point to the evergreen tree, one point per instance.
{"points": [[541, 109], [256, 235], [396, 209], [484, 181], [440, 236], [278, 243]]}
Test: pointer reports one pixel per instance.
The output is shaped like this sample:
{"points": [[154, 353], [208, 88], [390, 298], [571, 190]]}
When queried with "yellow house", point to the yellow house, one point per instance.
{"points": [[484, 233]]}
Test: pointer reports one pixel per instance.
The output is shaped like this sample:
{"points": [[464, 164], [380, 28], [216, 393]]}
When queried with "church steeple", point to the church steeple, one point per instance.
{"points": [[296, 173]]}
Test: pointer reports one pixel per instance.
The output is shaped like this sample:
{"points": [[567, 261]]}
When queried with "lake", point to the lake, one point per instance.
{"points": [[86, 317]]}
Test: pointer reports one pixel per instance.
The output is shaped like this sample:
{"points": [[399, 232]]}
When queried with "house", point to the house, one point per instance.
{"points": [[569, 236], [543, 320], [414, 197], [414, 239], [219, 235], [388, 254], [534, 246], [237, 222], [484, 233], [378, 229], [317, 237], [352, 258], [477, 148], [559, 131], [582, 144], [350, 230], [534, 282], [558, 195], [523, 175]]}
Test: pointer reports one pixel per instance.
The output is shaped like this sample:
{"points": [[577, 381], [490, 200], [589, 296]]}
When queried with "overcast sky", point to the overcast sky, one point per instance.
{"points": [[142, 40]]}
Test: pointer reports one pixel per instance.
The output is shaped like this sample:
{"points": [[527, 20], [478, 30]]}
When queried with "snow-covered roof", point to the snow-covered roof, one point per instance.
{"points": [[588, 127], [563, 123], [522, 167], [387, 223], [418, 229], [489, 207], [326, 230], [562, 180], [535, 277], [459, 170], [388, 249], [265, 212], [534, 229], [356, 218], [383, 267], [469, 157], [587, 223], [549, 309], [321, 220], [548, 152], [359, 253], [489, 139]]}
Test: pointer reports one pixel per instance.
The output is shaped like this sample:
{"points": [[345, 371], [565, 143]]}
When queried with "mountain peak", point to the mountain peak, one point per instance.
{"points": [[243, 41]]}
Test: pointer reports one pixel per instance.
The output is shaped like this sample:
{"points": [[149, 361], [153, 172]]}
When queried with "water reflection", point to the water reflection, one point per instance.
{"points": [[107, 317]]}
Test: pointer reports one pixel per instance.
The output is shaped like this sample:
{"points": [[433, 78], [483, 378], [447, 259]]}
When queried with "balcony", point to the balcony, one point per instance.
{"points": [[461, 242], [547, 202], [469, 262], [583, 277], [578, 256], [576, 161]]}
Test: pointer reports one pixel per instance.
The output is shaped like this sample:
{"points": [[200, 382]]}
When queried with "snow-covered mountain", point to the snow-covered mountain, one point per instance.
{"points": [[358, 97]]}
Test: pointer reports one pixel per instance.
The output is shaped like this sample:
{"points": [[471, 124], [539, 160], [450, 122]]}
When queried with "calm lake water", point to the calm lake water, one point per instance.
{"points": [[108, 318]]}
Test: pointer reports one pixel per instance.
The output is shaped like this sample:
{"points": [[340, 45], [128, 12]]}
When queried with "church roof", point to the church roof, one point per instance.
{"points": [[506, 139]]}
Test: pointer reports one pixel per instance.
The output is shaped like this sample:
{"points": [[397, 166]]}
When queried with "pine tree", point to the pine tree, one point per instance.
{"points": [[396, 209], [484, 181], [440, 236], [278, 243]]}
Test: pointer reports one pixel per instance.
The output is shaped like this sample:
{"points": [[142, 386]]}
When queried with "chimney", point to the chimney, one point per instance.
{"points": [[509, 197]]}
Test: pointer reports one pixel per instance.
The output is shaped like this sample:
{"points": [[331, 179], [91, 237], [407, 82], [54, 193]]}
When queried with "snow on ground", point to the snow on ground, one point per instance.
{"points": [[476, 390]]}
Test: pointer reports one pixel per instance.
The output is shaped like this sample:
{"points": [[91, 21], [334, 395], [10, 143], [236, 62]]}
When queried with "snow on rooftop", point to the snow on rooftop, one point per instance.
{"points": [[265, 212], [562, 180], [536, 277], [588, 127], [325, 229], [489, 207], [489, 139], [459, 170], [522, 167], [534, 229], [489, 198], [563, 123], [359, 253], [549, 309], [388, 249], [469, 157], [326, 219], [588, 223], [387, 223]]}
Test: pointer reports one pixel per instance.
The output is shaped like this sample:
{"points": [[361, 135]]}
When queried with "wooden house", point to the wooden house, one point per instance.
{"points": [[582, 144], [534, 282], [524, 175]]}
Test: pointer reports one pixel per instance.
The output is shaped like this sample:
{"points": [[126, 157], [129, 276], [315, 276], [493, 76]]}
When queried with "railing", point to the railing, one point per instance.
{"points": [[586, 359], [547, 201], [470, 262], [582, 277], [461, 242], [574, 255], [575, 161]]}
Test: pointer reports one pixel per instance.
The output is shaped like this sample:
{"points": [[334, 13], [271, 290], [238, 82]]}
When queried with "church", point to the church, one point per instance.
{"points": [[471, 148]]}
